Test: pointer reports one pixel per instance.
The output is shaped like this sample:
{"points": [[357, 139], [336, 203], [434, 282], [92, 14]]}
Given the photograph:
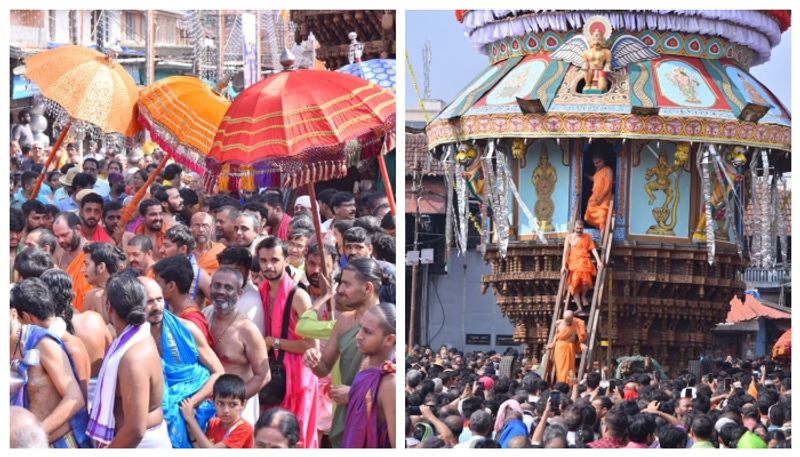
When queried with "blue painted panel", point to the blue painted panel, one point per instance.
{"points": [[641, 209], [560, 195], [683, 84]]}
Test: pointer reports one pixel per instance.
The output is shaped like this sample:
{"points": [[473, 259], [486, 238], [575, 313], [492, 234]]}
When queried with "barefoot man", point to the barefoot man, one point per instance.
{"points": [[570, 335], [577, 263], [238, 342]]}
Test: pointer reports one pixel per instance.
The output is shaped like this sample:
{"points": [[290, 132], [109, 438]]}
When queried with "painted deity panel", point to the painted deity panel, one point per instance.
{"points": [[659, 192], [683, 85], [544, 187], [518, 83], [450, 110]]}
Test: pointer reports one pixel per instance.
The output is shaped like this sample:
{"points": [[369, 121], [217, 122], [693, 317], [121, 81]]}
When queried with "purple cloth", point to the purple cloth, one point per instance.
{"points": [[361, 429]]}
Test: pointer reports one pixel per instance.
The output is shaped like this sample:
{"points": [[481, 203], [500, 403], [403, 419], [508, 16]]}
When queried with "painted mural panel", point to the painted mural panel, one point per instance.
{"points": [[451, 109], [683, 85], [659, 192], [544, 187], [518, 83]]}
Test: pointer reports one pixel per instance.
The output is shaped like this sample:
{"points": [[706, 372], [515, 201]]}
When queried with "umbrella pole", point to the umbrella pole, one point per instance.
{"points": [[312, 194], [387, 185], [50, 158], [130, 208]]}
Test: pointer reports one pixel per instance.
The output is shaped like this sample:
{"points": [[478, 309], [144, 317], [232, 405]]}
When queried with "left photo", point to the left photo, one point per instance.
{"points": [[202, 228]]}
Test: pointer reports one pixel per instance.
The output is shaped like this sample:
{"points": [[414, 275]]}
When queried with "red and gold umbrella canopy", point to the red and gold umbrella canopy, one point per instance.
{"points": [[182, 114], [300, 126]]}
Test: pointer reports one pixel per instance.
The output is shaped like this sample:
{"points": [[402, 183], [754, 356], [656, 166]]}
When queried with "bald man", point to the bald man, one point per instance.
{"points": [[206, 249], [568, 341], [25, 429], [237, 341]]}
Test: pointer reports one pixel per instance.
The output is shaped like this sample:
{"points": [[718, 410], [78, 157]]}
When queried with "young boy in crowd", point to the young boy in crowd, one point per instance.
{"points": [[226, 429]]}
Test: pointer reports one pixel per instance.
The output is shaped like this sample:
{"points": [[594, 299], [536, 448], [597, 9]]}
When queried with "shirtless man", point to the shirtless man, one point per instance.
{"points": [[34, 304], [52, 391], [597, 63], [186, 376], [132, 378], [179, 240], [238, 342], [95, 333], [226, 225], [101, 261], [175, 277]]}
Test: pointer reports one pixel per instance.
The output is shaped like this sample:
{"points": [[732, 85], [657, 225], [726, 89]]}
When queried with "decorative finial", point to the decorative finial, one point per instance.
{"points": [[287, 59]]}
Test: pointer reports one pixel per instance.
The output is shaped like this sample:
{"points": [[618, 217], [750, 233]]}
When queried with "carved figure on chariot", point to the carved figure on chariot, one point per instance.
{"points": [[591, 54]]}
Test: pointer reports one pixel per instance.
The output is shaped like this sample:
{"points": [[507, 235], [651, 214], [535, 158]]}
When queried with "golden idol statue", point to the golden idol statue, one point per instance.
{"points": [[544, 182], [660, 175], [597, 64]]}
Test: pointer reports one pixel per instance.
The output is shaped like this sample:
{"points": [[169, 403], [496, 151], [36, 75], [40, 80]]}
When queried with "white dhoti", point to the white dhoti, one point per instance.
{"points": [[252, 410], [156, 437]]}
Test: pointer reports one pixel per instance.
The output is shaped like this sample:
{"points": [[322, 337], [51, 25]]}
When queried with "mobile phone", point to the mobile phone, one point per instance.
{"points": [[728, 383], [604, 384], [414, 411], [688, 392], [555, 402]]}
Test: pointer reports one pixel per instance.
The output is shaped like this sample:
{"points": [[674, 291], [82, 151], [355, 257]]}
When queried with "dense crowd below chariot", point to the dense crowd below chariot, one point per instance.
{"points": [[205, 320], [489, 400]]}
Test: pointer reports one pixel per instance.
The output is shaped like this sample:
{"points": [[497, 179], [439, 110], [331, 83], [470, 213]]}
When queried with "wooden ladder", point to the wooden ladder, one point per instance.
{"points": [[562, 299]]}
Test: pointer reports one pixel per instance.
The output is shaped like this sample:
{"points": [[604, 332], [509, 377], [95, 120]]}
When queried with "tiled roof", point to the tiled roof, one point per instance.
{"points": [[751, 309], [417, 153]]}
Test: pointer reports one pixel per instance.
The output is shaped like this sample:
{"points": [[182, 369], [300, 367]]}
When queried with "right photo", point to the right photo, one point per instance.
{"points": [[598, 229]]}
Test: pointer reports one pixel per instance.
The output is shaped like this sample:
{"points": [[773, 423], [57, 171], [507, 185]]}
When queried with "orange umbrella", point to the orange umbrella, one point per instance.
{"points": [[89, 86], [182, 114], [783, 347]]}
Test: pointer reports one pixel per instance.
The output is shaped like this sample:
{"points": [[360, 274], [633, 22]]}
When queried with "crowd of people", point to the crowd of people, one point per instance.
{"points": [[490, 400], [206, 320]]}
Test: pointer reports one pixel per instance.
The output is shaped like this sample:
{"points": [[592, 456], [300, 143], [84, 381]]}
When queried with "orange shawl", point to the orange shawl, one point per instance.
{"points": [[208, 261], [79, 284], [596, 209]]}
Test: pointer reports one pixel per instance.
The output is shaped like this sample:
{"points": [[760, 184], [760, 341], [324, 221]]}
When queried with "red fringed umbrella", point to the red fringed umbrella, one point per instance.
{"points": [[299, 127]]}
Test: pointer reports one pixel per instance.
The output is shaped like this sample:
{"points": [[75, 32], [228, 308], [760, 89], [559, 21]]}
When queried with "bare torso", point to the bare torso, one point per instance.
{"points": [[43, 397], [93, 332], [132, 365]]}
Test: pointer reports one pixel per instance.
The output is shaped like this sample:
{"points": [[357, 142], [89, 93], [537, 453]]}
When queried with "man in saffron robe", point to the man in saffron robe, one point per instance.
{"points": [[577, 263], [570, 335], [276, 291], [70, 258], [206, 249], [603, 183]]}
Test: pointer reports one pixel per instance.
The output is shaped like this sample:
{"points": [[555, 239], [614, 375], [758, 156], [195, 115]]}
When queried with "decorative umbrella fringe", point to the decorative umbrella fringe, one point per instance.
{"points": [[80, 128], [189, 157], [317, 164]]}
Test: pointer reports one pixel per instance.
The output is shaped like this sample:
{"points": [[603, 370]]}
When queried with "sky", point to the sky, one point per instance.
{"points": [[454, 63]]}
